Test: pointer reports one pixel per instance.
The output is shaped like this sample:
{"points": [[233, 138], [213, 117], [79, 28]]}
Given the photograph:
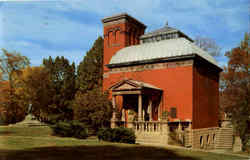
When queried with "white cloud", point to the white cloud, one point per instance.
{"points": [[155, 10], [25, 22], [36, 52]]}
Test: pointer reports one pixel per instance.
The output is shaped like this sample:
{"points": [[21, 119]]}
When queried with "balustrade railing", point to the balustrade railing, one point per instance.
{"points": [[144, 126], [149, 126]]}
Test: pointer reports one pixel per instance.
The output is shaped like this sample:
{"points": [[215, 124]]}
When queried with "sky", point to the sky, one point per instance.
{"points": [[42, 28]]}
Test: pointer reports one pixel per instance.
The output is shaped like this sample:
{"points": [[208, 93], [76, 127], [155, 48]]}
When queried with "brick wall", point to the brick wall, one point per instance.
{"points": [[206, 96], [175, 81]]}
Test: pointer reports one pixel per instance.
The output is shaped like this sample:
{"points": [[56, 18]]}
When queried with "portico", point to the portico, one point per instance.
{"points": [[140, 102]]}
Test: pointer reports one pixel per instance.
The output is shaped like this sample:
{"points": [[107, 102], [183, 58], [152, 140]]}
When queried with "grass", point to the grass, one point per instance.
{"points": [[36, 143]]}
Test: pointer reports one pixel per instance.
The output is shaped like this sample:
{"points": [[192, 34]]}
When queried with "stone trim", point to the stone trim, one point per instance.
{"points": [[122, 16], [163, 65], [126, 92], [114, 22], [144, 67]]}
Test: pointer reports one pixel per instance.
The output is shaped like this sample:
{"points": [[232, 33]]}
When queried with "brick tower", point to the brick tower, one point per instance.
{"points": [[120, 31]]}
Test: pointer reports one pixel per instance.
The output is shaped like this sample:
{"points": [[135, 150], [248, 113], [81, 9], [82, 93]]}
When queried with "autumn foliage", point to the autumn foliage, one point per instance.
{"points": [[235, 88], [11, 65]]}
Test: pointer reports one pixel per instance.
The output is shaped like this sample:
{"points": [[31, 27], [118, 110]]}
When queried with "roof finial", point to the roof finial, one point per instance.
{"points": [[166, 23]]}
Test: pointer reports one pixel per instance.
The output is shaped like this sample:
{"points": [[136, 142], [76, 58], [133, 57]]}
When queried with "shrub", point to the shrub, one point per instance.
{"points": [[105, 134], [121, 135], [70, 129]]}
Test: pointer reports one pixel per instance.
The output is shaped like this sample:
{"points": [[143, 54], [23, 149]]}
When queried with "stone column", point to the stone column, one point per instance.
{"points": [[150, 108], [237, 146], [159, 112], [180, 127], [139, 107], [143, 114], [164, 132], [179, 132], [113, 119], [190, 126]]}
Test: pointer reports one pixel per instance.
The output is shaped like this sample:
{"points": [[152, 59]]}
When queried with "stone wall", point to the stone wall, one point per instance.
{"points": [[212, 138], [204, 138]]}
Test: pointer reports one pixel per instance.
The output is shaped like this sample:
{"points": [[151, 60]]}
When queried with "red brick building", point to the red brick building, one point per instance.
{"points": [[157, 77]]}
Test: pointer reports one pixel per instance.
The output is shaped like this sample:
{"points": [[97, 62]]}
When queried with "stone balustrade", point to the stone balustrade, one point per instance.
{"points": [[150, 126]]}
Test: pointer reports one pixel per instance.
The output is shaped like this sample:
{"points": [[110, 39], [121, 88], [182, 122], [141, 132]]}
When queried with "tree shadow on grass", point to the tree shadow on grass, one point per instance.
{"points": [[104, 152]]}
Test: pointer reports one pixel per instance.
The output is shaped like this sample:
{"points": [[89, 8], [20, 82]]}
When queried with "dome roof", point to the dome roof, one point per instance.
{"points": [[169, 48]]}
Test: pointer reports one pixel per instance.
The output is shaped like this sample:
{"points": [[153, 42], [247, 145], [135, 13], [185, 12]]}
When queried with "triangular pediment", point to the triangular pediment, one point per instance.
{"points": [[124, 85], [130, 84]]}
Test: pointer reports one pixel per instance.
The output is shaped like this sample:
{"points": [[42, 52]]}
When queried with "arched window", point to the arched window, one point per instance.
{"points": [[117, 33], [201, 142], [208, 139], [134, 38], [131, 37], [214, 138], [110, 38]]}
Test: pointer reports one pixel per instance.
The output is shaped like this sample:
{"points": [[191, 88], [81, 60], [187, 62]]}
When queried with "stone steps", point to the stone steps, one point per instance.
{"points": [[225, 138]]}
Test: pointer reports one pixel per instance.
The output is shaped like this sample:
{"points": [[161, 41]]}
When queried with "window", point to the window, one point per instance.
{"points": [[201, 142], [208, 139], [173, 112]]}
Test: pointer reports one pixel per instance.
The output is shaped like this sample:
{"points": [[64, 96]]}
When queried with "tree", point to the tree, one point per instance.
{"points": [[33, 88], [93, 108], [209, 45], [62, 80], [235, 93], [10, 64], [89, 71]]}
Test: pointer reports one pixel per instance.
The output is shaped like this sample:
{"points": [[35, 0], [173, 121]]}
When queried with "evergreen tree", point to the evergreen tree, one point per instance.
{"points": [[91, 106], [89, 71], [62, 78]]}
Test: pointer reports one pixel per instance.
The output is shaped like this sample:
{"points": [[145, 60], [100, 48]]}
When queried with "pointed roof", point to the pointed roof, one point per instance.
{"points": [[164, 31]]}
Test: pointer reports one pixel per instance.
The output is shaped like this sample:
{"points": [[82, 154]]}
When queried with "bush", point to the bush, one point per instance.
{"points": [[70, 129], [105, 134], [121, 135]]}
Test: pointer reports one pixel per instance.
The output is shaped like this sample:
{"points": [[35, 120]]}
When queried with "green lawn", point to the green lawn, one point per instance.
{"points": [[36, 143]]}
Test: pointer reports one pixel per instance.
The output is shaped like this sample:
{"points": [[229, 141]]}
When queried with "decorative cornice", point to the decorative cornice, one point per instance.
{"points": [[143, 67], [122, 16], [151, 61]]}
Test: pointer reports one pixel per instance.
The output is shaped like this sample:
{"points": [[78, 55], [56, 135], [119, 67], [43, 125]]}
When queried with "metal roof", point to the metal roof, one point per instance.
{"points": [[163, 49], [165, 30]]}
